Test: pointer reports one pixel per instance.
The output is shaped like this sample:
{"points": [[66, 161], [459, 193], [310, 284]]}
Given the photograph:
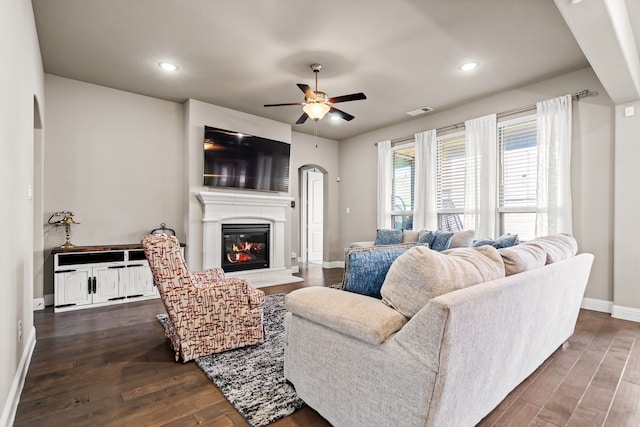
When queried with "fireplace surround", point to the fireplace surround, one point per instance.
{"points": [[246, 208]]}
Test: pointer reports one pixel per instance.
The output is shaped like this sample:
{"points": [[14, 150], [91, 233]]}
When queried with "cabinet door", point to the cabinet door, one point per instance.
{"points": [[140, 281], [107, 284], [72, 287]]}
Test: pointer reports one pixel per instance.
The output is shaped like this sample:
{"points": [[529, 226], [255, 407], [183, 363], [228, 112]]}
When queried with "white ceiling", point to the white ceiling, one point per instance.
{"points": [[403, 54]]}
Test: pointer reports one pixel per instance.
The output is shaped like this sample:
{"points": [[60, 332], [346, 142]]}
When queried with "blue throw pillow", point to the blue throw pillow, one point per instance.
{"points": [[388, 237], [366, 268], [438, 240], [507, 240], [504, 241]]}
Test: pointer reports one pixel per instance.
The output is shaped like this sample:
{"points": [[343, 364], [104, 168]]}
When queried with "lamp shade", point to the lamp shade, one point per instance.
{"points": [[316, 110]]}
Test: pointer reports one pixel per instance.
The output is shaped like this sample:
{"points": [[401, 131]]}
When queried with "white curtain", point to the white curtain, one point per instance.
{"points": [[384, 184], [425, 214], [553, 207], [480, 176]]}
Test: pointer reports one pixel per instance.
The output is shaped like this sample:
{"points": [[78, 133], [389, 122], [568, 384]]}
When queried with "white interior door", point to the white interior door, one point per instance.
{"points": [[315, 209]]}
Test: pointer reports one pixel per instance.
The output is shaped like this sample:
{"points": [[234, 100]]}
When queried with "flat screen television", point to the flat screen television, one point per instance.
{"points": [[236, 160]]}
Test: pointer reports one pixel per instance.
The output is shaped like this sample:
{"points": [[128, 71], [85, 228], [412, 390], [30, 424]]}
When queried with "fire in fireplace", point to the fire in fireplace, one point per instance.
{"points": [[245, 246]]}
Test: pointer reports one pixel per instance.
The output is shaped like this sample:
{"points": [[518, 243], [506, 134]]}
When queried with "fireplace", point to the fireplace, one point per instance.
{"points": [[245, 247], [241, 209]]}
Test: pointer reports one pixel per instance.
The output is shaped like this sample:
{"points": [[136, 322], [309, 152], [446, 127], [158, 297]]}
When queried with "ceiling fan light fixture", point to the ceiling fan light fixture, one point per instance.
{"points": [[316, 110], [168, 66], [468, 66]]}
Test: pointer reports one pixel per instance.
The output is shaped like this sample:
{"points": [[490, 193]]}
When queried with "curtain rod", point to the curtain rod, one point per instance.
{"points": [[576, 95]]}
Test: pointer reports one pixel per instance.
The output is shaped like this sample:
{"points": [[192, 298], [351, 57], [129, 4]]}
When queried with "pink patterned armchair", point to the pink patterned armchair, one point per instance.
{"points": [[206, 312]]}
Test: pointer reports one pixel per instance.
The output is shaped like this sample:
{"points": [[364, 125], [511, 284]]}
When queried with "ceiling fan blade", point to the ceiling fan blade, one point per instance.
{"points": [[303, 118], [280, 105], [307, 91], [345, 98], [345, 116]]}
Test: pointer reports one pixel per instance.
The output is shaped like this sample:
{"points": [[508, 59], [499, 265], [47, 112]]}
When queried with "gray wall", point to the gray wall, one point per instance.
{"points": [[22, 89], [114, 158], [591, 175], [627, 206], [197, 114], [309, 150]]}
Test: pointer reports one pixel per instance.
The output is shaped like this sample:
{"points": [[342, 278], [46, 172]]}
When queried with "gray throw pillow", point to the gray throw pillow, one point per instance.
{"points": [[557, 246], [462, 239], [420, 274], [521, 258], [365, 268]]}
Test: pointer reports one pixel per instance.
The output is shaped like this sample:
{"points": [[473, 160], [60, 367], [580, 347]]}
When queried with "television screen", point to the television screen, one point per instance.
{"points": [[236, 160]]}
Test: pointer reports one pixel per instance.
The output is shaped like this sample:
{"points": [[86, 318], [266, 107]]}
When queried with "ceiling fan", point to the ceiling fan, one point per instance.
{"points": [[316, 104]]}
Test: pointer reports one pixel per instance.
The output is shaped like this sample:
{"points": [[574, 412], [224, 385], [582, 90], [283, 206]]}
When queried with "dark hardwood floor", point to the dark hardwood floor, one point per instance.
{"points": [[112, 366]]}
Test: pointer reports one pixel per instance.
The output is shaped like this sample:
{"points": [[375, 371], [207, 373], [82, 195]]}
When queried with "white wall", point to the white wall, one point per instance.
{"points": [[114, 158], [197, 114], [592, 166], [21, 84]]}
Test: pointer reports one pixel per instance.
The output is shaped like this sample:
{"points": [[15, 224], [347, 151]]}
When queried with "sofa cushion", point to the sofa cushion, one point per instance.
{"points": [[365, 268], [364, 318], [421, 274], [387, 236], [557, 246], [437, 240], [521, 258], [462, 239]]}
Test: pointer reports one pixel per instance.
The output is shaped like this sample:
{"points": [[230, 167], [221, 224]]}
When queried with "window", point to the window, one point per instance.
{"points": [[515, 185], [517, 163], [450, 181], [403, 159]]}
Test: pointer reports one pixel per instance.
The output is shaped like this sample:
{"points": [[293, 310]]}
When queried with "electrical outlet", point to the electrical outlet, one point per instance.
{"points": [[19, 330], [294, 255]]}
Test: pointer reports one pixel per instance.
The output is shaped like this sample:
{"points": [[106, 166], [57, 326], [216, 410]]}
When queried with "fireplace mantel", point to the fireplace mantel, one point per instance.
{"points": [[243, 208]]}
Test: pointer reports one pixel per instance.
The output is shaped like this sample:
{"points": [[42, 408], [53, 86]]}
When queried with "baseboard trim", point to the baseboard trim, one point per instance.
{"points": [[626, 313], [333, 264], [11, 404], [49, 300], [616, 311], [295, 269], [597, 305]]}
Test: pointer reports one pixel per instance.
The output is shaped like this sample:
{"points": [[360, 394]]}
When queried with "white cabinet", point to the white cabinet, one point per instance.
{"points": [[92, 276], [140, 281]]}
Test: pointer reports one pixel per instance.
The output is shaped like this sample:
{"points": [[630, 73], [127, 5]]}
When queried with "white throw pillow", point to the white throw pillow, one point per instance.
{"points": [[421, 274]]}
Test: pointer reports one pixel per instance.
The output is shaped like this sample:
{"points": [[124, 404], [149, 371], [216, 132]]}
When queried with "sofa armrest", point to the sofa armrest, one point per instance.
{"points": [[359, 316]]}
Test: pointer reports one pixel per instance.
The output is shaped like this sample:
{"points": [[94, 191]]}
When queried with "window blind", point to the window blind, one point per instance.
{"points": [[450, 174], [403, 179], [517, 163]]}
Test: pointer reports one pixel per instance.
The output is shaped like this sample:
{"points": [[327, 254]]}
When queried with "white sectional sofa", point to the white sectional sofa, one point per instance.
{"points": [[426, 356]]}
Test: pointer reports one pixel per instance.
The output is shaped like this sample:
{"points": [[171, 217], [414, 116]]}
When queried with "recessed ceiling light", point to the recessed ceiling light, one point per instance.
{"points": [[468, 66], [168, 66], [575, 1]]}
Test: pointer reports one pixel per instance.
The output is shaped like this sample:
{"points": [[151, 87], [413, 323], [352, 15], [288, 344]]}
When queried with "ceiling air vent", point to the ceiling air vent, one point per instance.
{"points": [[419, 111]]}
